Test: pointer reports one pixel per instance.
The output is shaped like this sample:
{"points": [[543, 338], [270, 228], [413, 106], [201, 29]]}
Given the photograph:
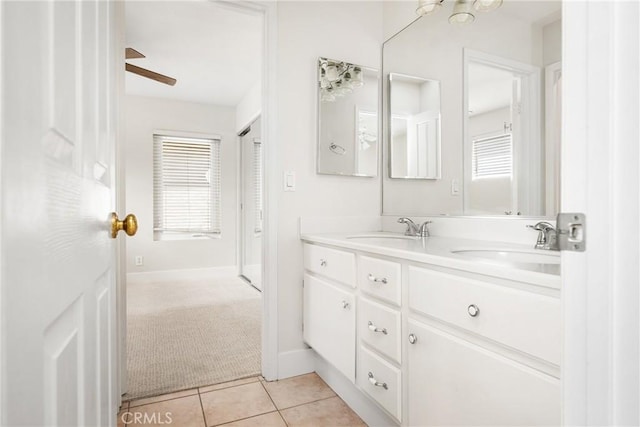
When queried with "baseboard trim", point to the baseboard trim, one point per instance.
{"points": [[361, 404], [296, 362], [188, 273]]}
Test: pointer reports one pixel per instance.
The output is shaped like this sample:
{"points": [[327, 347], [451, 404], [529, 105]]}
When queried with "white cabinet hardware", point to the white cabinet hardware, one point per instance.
{"points": [[375, 382], [374, 328], [473, 310], [375, 279]]}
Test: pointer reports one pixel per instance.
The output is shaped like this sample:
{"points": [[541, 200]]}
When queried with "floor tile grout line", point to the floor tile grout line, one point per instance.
{"points": [[231, 386], [311, 401], [204, 416], [243, 419], [163, 400], [270, 398], [283, 418]]}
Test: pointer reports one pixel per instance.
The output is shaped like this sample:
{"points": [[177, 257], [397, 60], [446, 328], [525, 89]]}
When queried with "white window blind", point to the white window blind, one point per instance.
{"points": [[186, 185], [257, 184], [492, 156]]}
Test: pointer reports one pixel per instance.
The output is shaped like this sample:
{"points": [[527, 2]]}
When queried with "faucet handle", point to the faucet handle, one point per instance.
{"points": [[424, 229]]}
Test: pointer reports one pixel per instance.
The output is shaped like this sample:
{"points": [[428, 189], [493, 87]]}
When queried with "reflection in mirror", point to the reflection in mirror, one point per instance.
{"points": [[347, 119], [499, 134], [502, 145], [414, 142]]}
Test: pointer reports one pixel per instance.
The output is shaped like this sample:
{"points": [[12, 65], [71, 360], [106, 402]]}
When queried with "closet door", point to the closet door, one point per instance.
{"points": [[251, 205]]}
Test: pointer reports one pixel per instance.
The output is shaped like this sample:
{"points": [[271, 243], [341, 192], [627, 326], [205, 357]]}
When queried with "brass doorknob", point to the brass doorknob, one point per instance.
{"points": [[129, 225]]}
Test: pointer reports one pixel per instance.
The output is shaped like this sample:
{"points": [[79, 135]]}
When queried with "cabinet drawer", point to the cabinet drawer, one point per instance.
{"points": [[330, 324], [454, 382], [332, 263], [373, 370], [380, 278], [380, 327], [523, 320]]}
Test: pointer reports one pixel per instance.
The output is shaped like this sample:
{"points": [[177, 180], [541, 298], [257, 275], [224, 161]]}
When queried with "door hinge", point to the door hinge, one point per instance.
{"points": [[571, 231]]}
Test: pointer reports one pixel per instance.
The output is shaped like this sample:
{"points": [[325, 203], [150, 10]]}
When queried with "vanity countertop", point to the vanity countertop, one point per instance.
{"points": [[438, 251]]}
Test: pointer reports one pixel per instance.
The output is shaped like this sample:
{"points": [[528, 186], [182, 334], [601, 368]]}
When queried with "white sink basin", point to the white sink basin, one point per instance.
{"points": [[369, 236], [533, 256]]}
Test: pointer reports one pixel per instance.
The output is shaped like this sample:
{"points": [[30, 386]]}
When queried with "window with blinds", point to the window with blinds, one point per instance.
{"points": [[257, 184], [186, 185], [492, 157]]}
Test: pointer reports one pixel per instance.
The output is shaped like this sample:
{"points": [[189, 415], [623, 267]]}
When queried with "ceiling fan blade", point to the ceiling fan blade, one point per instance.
{"points": [[133, 54], [151, 74]]}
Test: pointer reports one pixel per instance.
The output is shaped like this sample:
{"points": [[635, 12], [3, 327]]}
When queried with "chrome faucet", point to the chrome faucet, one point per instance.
{"points": [[413, 229], [547, 236]]}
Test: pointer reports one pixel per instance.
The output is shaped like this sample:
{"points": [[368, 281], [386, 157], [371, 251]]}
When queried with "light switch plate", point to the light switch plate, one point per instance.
{"points": [[289, 181], [455, 187]]}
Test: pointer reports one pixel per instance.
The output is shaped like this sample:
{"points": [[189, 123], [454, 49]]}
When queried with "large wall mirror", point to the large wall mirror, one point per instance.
{"points": [[347, 119], [498, 139]]}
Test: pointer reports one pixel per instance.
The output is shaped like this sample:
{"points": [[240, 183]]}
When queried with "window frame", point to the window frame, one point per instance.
{"points": [[214, 231]]}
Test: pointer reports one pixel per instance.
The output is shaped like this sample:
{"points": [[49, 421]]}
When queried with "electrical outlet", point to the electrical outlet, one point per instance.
{"points": [[139, 260]]}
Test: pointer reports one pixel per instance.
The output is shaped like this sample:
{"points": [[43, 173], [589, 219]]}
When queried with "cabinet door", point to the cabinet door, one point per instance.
{"points": [[330, 324], [454, 382]]}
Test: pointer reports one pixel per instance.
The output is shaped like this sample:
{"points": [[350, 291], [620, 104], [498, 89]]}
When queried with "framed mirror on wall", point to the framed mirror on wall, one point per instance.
{"points": [[499, 79], [347, 119]]}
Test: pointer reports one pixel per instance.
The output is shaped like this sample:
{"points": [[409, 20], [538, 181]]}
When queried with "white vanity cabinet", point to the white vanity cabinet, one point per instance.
{"points": [[433, 345], [452, 381], [330, 306], [480, 351]]}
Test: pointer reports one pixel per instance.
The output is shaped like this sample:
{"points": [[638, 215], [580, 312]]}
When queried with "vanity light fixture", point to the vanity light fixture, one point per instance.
{"points": [[426, 7], [462, 13], [463, 10], [338, 78]]}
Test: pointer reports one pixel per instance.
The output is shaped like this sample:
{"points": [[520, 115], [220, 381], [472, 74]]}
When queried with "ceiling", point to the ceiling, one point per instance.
{"points": [[490, 88], [213, 51]]}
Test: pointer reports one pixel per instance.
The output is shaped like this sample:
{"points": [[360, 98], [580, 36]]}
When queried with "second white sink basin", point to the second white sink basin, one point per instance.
{"points": [[533, 256]]}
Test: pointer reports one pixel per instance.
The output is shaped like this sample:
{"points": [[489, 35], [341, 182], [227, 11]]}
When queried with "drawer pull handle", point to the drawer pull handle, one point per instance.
{"points": [[375, 382], [345, 304], [374, 279], [473, 310], [413, 339], [374, 328], [323, 263]]}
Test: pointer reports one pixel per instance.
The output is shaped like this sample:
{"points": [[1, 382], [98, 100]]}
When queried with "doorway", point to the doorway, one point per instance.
{"points": [[251, 204], [191, 321]]}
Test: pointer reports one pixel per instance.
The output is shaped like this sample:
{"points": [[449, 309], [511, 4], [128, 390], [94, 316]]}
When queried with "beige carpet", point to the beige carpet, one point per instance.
{"points": [[190, 333]]}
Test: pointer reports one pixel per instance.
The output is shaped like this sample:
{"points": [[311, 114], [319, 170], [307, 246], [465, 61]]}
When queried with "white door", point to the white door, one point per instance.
{"points": [[58, 278]]}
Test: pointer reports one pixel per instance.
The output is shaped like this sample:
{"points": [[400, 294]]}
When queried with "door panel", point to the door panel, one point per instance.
{"points": [[58, 293]]}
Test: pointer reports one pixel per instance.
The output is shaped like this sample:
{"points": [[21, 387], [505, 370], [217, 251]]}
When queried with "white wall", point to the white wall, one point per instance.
{"points": [[249, 107], [552, 43], [143, 116], [351, 31], [412, 52]]}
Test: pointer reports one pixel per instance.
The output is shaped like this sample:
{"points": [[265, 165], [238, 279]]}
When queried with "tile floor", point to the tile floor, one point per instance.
{"points": [[299, 401]]}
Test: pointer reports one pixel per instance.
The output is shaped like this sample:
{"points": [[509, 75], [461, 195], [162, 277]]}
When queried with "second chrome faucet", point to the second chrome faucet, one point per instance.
{"points": [[413, 229]]}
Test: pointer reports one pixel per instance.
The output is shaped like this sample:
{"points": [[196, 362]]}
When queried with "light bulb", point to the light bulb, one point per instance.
{"points": [[462, 13], [486, 5], [425, 7]]}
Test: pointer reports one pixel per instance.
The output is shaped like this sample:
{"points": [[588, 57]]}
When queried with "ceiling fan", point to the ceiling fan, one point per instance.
{"points": [[134, 54]]}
